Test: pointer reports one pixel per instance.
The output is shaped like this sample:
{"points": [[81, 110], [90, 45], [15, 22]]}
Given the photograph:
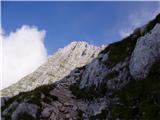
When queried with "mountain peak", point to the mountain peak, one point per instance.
{"points": [[58, 65], [80, 45], [79, 42]]}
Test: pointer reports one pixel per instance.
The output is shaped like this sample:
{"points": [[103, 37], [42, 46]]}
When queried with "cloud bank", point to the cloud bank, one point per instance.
{"points": [[138, 18], [23, 51]]}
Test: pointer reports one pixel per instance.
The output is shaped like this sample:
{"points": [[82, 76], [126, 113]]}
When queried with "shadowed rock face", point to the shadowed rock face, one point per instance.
{"points": [[76, 54], [121, 83]]}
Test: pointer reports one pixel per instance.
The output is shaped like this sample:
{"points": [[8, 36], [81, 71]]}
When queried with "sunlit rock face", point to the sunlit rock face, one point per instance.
{"points": [[60, 64], [121, 83]]}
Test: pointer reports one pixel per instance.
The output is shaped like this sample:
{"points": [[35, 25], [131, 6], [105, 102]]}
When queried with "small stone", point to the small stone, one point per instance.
{"points": [[67, 104], [67, 116], [46, 113], [75, 108], [62, 109], [53, 116]]}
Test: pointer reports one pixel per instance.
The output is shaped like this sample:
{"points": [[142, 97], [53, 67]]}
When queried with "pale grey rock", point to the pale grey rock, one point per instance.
{"points": [[96, 72], [53, 117], [10, 108], [67, 115], [59, 65], [3, 100], [93, 74], [104, 57], [122, 78], [46, 112], [96, 107], [146, 52], [30, 109]]}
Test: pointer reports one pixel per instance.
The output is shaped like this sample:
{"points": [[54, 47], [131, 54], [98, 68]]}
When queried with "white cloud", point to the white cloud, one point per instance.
{"points": [[23, 51], [138, 19], [124, 32]]}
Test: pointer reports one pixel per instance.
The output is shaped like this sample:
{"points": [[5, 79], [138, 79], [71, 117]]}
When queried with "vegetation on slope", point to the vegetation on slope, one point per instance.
{"points": [[119, 51], [33, 97], [140, 99], [89, 93], [151, 24], [25, 116], [112, 75]]}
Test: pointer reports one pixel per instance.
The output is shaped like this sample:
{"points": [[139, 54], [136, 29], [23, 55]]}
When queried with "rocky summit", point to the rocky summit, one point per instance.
{"points": [[59, 65], [121, 83]]}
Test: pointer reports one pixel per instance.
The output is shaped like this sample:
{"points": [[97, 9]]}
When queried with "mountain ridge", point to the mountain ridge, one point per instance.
{"points": [[58, 65], [110, 87]]}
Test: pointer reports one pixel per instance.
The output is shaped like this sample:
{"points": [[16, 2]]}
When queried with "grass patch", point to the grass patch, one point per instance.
{"points": [[140, 99], [118, 51], [34, 96], [112, 75]]}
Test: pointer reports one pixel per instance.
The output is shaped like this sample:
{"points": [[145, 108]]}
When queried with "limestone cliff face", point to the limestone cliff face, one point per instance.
{"points": [[133, 56], [121, 83], [146, 52], [76, 54]]}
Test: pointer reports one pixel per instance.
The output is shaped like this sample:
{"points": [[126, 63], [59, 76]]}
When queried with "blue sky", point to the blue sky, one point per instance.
{"points": [[95, 22]]}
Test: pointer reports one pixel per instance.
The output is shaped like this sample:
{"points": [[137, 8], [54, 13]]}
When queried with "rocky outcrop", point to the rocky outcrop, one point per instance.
{"points": [[133, 56], [110, 87], [146, 52], [93, 74], [59, 65], [30, 109]]}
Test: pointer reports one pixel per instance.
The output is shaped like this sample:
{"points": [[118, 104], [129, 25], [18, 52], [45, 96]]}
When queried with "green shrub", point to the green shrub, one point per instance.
{"points": [[89, 93], [25, 116], [118, 51], [33, 96], [152, 23], [112, 75]]}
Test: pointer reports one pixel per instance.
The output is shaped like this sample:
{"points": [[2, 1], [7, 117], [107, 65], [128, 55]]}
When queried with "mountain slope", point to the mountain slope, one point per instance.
{"points": [[122, 83], [76, 54]]}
